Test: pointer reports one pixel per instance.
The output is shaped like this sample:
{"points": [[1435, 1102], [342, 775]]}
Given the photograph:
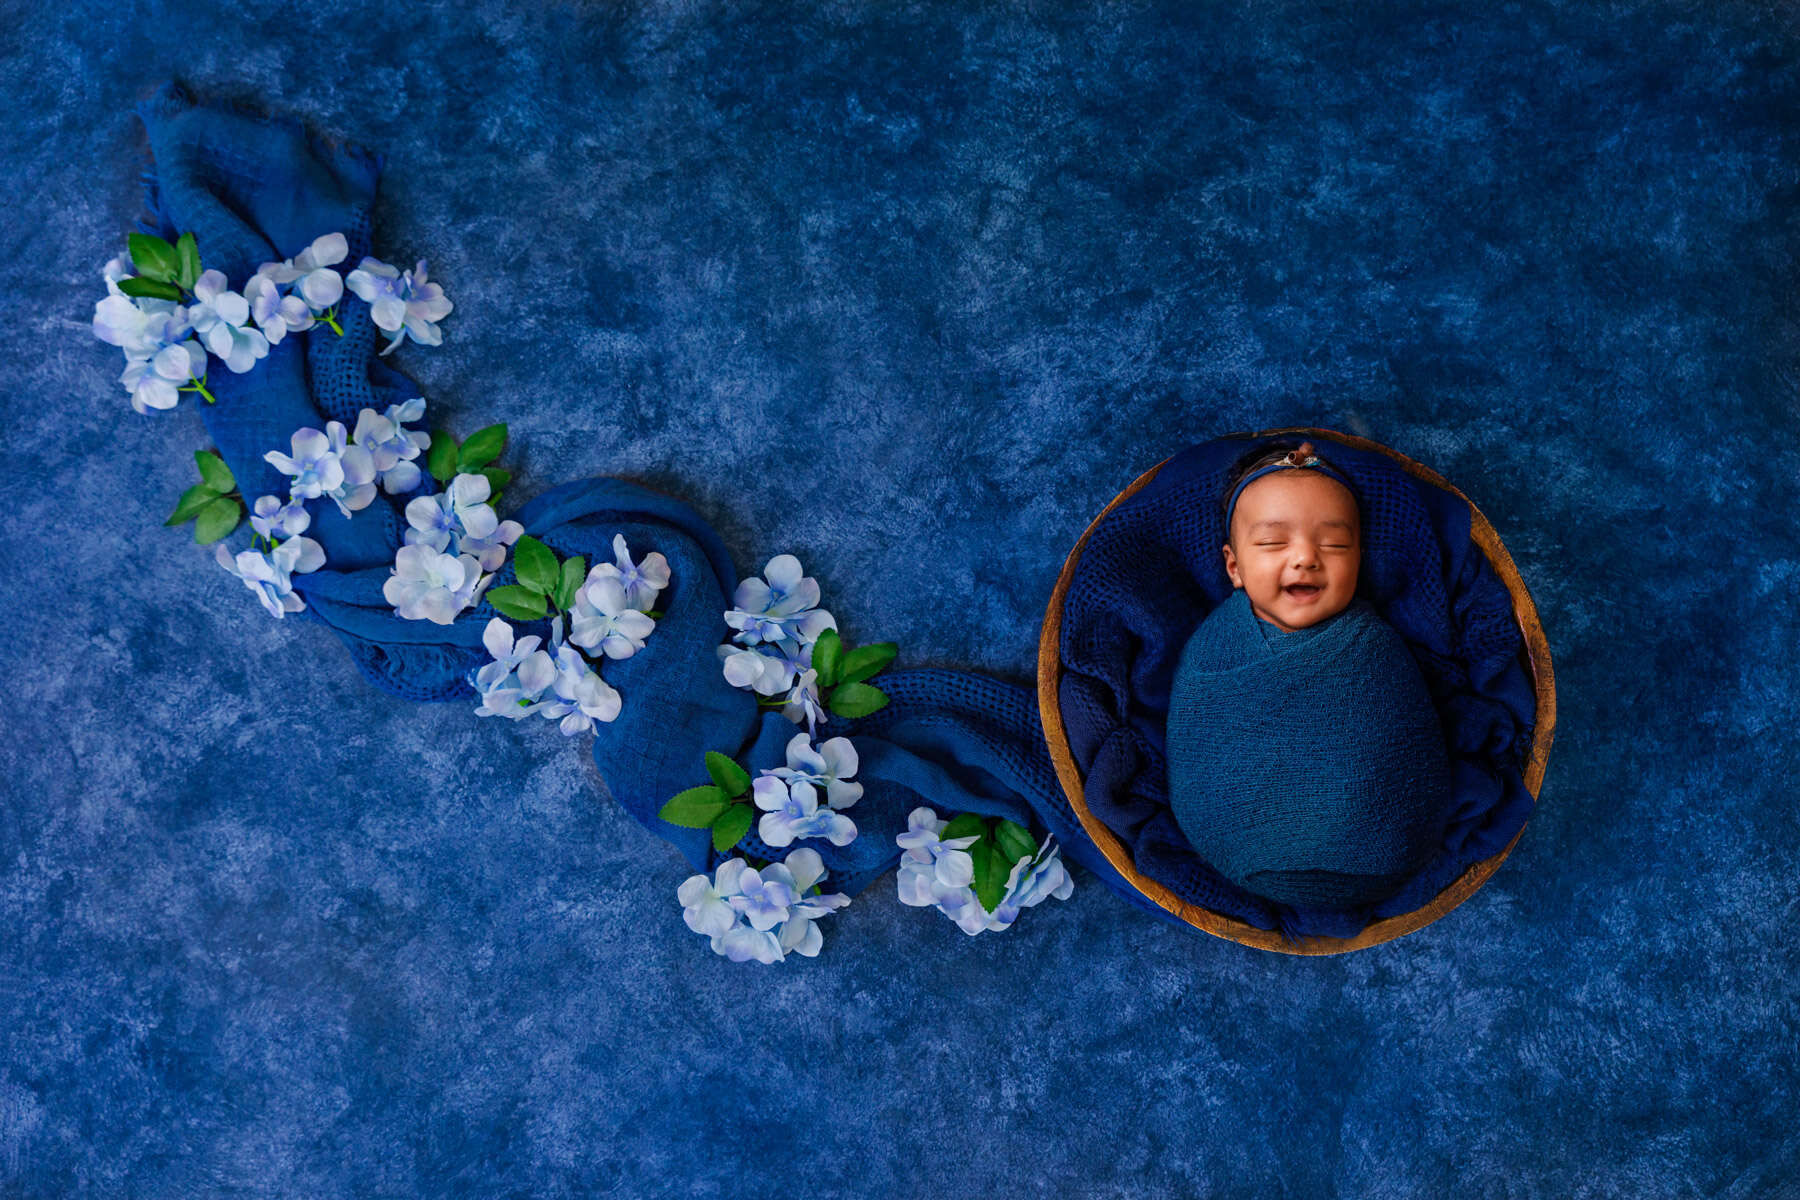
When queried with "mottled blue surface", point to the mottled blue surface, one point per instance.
{"points": [[911, 293]]}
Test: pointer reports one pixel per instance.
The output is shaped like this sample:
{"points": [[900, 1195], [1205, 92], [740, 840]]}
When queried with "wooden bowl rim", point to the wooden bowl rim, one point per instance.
{"points": [[1231, 928]]}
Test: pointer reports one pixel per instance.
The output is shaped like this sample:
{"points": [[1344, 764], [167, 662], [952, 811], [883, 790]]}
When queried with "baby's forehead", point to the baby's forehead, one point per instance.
{"points": [[1303, 499]]}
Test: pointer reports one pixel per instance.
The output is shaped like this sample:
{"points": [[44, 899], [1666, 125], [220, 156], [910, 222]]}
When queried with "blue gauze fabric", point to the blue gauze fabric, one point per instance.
{"points": [[1153, 569], [255, 190], [1307, 766]]}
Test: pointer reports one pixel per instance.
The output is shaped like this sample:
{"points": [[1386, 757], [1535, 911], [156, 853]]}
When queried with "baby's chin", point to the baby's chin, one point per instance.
{"points": [[1297, 614]]}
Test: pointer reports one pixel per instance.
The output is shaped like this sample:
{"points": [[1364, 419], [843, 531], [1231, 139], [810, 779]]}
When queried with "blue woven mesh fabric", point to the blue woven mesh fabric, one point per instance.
{"points": [[1151, 572], [255, 190]]}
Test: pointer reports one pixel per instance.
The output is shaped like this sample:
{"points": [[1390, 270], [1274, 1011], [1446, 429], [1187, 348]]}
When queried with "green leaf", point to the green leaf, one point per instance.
{"points": [[482, 447], [216, 518], [865, 661], [574, 572], [857, 699], [1015, 842], [521, 604], [731, 826], [213, 471], [966, 825], [190, 504], [187, 255], [136, 285], [155, 258], [828, 655], [497, 479], [695, 808], [732, 779], [440, 460], [991, 870], [493, 501], [535, 564]]}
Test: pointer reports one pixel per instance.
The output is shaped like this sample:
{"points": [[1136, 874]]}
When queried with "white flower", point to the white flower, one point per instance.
{"points": [[938, 873], [642, 581], [432, 586], [160, 351], [275, 518], [783, 605], [602, 620], [401, 304], [314, 464], [276, 315], [358, 468], [270, 575], [219, 315], [791, 810], [392, 446], [828, 767]]}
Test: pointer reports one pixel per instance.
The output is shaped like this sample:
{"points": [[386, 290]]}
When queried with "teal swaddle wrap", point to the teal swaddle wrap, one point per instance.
{"points": [[1307, 767]]}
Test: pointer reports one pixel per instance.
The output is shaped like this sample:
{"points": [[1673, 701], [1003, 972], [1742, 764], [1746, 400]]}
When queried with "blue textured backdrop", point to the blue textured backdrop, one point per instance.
{"points": [[911, 293]]}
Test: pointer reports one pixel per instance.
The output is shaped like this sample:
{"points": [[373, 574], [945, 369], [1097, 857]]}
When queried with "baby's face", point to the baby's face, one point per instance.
{"points": [[1293, 528]]}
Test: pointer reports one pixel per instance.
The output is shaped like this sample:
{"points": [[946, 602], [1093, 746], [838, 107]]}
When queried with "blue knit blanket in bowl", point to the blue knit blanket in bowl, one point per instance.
{"points": [[1153, 569], [1306, 766], [255, 190]]}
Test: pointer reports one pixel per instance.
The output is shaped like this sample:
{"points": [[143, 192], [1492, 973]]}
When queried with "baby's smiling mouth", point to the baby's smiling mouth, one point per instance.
{"points": [[1301, 591]]}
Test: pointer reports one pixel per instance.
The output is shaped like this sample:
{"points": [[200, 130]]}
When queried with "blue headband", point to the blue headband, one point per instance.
{"points": [[1301, 458]]}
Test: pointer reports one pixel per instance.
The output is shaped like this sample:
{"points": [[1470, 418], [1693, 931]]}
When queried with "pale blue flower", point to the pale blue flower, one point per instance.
{"points": [[518, 691], [791, 811], [782, 605], [219, 315], [314, 464], [393, 447], [490, 551], [270, 575], [276, 315], [829, 766], [309, 272], [798, 933], [506, 652], [431, 521], [758, 667], [601, 620], [706, 903], [765, 896], [642, 581], [947, 861], [432, 586], [461, 514], [357, 489], [582, 697], [401, 304], [275, 518], [156, 382], [803, 703], [1034, 879]]}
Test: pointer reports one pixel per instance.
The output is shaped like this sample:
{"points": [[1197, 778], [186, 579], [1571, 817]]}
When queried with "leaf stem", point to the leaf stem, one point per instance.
{"points": [[329, 316], [199, 385]]}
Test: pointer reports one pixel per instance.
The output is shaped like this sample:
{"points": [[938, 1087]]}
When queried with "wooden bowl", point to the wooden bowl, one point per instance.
{"points": [[1388, 928]]}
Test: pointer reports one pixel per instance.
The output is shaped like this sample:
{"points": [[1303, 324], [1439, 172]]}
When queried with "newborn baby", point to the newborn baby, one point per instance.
{"points": [[1306, 761]]}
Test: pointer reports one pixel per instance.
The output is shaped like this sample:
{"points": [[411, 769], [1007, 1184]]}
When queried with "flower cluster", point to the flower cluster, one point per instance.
{"points": [[940, 872], [168, 315], [789, 796], [760, 914], [559, 682], [334, 465], [454, 543], [778, 622]]}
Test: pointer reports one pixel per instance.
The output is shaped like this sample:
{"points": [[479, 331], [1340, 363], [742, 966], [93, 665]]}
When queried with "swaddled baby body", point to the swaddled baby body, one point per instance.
{"points": [[1306, 760]]}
